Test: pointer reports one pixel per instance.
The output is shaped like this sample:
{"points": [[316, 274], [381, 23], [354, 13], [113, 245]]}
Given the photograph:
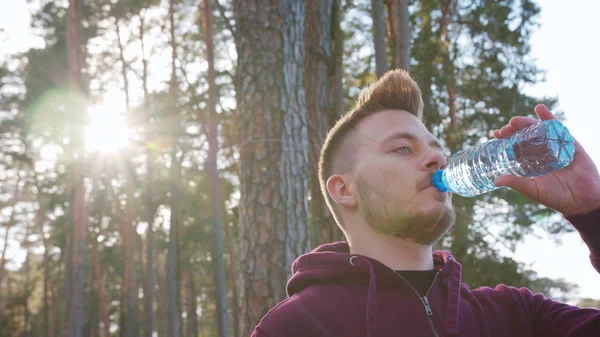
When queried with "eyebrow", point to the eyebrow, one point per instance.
{"points": [[407, 135]]}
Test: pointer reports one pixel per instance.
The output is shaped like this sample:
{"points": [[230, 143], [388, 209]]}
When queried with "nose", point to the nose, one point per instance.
{"points": [[434, 160]]}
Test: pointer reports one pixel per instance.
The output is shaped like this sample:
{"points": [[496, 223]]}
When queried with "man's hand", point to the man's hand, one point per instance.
{"points": [[573, 190]]}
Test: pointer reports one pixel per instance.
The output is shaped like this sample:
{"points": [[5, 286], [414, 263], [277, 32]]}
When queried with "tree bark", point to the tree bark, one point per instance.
{"points": [[319, 75], [100, 291], [46, 323], [123, 64], [192, 317], [378, 16], [402, 34], [130, 289], [26, 291], [75, 61], [174, 176], [390, 31], [338, 72], [162, 300], [40, 220], [149, 280], [232, 272], [444, 40], [273, 151], [140, 278], [55, 312], [216, 189], [11, 220]]}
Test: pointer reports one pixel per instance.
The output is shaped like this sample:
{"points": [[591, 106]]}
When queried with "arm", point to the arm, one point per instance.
{"points": [[549, 318], [554, 319], [575, 192], [588, 226]]}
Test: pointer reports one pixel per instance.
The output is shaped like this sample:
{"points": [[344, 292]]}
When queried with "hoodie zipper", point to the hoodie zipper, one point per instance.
{"points": [[425, 302]]}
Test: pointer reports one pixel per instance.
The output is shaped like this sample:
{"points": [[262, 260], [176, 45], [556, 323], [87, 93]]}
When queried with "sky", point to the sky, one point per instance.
{"points": [[566, 45]]}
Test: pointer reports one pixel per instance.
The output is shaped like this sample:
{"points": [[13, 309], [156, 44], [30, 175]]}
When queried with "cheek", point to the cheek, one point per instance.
{"points": [[392, 183]]}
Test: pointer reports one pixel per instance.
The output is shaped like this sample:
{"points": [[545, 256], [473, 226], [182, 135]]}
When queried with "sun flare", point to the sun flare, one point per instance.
{"points": [[107, 131]]}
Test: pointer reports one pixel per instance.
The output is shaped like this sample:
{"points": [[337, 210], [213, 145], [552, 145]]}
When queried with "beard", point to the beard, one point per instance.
{"points": [[425, 227]]}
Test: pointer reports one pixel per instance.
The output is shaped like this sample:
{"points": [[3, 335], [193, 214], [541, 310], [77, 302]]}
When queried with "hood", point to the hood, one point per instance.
{"points": [[333, 263]]}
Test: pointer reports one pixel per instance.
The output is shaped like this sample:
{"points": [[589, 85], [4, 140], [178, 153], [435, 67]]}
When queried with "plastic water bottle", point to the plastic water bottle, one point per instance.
{"points": [[536, 150]]}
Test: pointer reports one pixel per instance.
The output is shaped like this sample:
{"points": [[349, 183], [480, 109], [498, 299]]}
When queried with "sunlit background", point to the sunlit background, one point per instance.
{"points": [[564, 46], [107, 131]]}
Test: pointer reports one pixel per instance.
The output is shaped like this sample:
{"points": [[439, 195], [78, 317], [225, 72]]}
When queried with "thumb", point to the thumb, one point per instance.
{"points": [[523, 185]]}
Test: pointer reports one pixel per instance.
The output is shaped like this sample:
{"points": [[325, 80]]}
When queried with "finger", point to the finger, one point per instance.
{"points": [[516, 123], [543, 112], [519, 122], [523, 185]]}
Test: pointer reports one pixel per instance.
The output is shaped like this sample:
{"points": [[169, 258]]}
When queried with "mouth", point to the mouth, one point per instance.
{"points": [[435, 189], [438, 194], [425, 184]]}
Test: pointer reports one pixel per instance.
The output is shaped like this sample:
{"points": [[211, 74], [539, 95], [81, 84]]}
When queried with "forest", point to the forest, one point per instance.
{"points": [[158, 158]]}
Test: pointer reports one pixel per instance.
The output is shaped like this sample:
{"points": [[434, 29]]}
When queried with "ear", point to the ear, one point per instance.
{"points": [[339, 189]]}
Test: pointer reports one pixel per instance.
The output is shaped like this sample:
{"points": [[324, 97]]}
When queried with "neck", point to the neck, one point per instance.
{"points": [[395, 253]]}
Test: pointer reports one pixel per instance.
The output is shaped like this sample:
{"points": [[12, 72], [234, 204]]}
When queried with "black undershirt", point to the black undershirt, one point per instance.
{"points": [[421, 280]]}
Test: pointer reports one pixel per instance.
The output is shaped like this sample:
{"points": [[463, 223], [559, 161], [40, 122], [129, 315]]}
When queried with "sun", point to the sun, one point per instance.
{"points": [[107, 131]]}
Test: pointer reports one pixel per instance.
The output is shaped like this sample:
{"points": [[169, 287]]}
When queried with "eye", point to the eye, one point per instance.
{"points": [[402, 149]]}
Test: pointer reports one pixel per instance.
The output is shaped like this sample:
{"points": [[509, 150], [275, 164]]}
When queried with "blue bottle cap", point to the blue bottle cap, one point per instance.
{"points": [[438, 181]]}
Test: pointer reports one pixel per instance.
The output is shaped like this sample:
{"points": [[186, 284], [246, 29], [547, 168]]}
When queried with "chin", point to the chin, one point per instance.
{"points": [[433, 206]]}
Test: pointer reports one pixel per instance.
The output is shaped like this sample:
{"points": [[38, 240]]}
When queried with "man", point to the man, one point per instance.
{"points": [[375, 170]]}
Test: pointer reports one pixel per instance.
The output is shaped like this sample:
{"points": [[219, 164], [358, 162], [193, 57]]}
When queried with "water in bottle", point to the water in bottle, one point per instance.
{"points": [[536, 150]]}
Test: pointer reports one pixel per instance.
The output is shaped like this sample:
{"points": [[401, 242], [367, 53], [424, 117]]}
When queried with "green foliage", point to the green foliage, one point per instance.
{"points": [[589, 303], [471, 60], [472, 57]]}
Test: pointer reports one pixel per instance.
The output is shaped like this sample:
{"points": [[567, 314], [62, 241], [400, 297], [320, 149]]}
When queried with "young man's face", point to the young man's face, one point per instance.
{"points": [[393, 164]]}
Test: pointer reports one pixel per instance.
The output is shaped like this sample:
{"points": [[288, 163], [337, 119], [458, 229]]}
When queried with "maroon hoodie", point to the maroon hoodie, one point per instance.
{"points": [[335, 293]]}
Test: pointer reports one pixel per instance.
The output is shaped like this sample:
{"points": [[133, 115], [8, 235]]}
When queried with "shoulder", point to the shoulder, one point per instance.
{"points": [[509, 297], [310, 312]]}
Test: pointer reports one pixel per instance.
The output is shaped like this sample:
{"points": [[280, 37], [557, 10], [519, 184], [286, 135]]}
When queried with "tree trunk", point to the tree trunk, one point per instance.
{"points": [[390, 31], [100, 291], [232, 275], [139, 248], [173, 247], [378, 15], [26, 292], [93, 325], [46, 303], [65, 297], [144, 59], [192, 318], [150, 208], [77, 191], [149, 285], [402, 34], [162, 300], [448, 63], [55, 312], [319, 103], [216, 189], [430, 115], [338, 72], [123, 65], [11, 220], [130, 289], [273, 151], [40, 220]]}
